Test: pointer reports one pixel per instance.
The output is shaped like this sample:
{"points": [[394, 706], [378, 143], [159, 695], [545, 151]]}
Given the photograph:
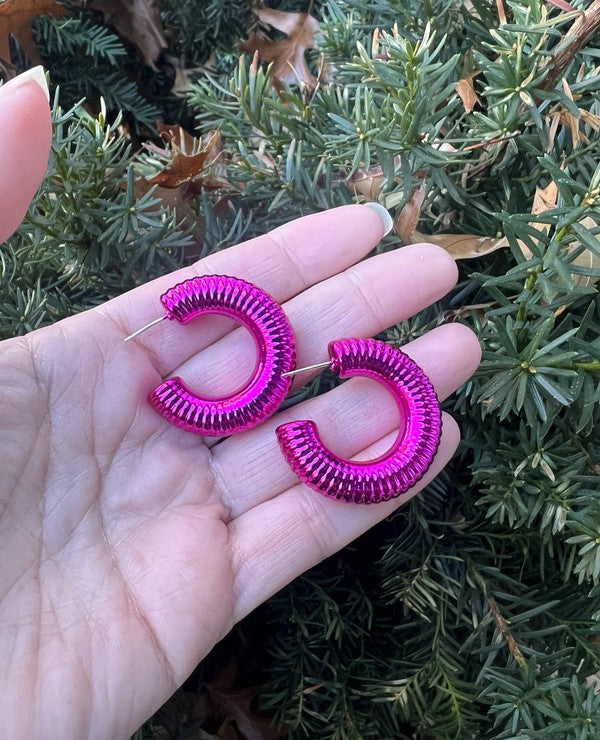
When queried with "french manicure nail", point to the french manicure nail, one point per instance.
{"points": [[36, 74], [384, 215]]}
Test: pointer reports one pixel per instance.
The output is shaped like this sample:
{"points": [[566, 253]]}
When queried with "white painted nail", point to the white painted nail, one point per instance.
{"points": [[36, 74], [384, 215]]}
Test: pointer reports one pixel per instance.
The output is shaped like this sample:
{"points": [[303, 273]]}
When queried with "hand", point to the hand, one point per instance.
{"points": [[129, 547]]}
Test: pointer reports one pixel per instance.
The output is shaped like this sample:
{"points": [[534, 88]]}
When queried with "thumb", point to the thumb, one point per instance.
{"points": [[25, 138]]}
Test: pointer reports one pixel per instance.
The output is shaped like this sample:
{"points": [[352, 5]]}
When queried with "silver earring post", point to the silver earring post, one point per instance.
{"points": [[144, 328], [319, 365]]}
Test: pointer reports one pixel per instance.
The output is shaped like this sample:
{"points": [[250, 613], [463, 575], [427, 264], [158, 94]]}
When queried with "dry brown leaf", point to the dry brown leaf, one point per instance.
{"points": [[288, 55], [137, 21], [16, 17], [562, 116], [466, 91], [184, 81], [190, 169], [236, 705], [592, 120], [190, 161], [573, 122], [545, 199], [455, 314], [179, 138], [472, 246], [462, 246], [458, 246], [406, 223], [567, 119], [179, 201], [367, 182]]}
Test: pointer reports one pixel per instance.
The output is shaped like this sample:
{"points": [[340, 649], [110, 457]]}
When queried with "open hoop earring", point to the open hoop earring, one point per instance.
{"points": [[413, 451], [261, 396]]}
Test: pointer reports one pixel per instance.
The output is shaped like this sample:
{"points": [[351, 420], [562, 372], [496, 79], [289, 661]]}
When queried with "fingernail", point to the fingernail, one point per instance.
{"points": [[35, 73], [384, 215]]}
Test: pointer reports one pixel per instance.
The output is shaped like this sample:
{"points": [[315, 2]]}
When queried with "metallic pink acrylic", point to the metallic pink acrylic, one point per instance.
{"points": [[411, 454], [262, 395]]}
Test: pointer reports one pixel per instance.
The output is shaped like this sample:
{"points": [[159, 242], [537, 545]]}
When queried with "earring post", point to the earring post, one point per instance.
{"points": [[319, 365], [144, 328]]}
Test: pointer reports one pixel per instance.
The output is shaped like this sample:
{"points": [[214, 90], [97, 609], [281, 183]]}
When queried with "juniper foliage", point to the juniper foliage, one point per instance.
{"points": [[88, 62], [474, 611], [208, 27], [87, 237]]}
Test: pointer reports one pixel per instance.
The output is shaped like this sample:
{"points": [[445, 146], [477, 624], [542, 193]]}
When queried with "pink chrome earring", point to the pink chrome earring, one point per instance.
{"points": [[263, 393], [411, 454]]}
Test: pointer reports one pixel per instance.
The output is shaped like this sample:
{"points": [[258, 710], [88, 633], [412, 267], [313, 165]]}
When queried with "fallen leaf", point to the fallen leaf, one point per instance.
{"points": [[571, 120], [367, 182], [591, 119], [191, 160], [184, 76], [560, 115], [466, 91], [137, 21], [458, 246], [288, 55], [594, 680], [183, 83], [192, 166], [450, 315], [406, 223], [178, 200], [545, 199], [16, 17], [462, 246], [179, 138], [235, 705], [472, 246]]}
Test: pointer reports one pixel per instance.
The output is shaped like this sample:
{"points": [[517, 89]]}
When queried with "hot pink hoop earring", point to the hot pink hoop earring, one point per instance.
{"points": [[413, 451], [263, 393]]}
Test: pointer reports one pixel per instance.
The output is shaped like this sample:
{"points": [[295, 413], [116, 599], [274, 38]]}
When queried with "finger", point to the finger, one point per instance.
{"points": [[25, 140], [278, 540], [283, 263], [362, 301], [250, 468]]}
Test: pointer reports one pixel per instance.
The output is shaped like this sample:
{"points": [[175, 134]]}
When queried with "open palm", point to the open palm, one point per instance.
{"points": [[129, 547]]}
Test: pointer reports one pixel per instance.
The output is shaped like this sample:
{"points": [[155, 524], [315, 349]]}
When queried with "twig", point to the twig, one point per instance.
{"points": [[501, 623], [499, 140], [501, 12], [584, 27]]}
